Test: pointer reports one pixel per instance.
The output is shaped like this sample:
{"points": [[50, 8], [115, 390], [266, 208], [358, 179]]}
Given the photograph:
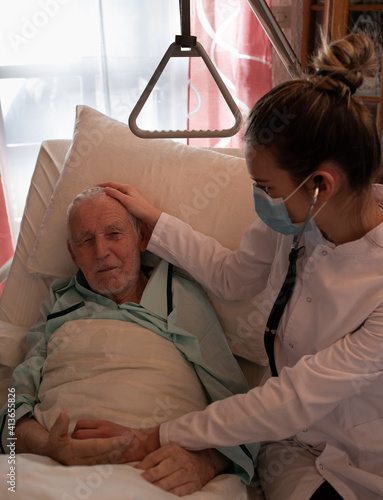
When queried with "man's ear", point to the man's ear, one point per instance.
{"points": [[73, 257], [145, 234]]}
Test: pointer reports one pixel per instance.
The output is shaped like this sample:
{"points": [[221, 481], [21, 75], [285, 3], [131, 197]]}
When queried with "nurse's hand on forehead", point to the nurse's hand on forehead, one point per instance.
{"points": [[133, 201]]}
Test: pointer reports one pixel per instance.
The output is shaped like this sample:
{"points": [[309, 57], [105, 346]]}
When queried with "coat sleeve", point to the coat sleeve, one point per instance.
{"points": [[296, 400], [239, 274]]}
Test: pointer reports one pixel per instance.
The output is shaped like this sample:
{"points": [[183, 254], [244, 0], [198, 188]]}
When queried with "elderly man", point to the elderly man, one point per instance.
{"points": [[105, 242]]}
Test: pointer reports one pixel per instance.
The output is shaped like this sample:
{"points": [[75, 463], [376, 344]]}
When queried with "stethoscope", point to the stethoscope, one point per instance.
{"points": [[288, 285]]}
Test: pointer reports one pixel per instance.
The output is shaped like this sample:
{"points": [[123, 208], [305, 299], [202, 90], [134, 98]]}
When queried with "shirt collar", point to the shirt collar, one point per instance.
{"points": [[154, 297]]}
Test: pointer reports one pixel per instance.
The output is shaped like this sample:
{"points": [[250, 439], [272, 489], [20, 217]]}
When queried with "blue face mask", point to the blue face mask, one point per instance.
{"points": [[274, 214]]}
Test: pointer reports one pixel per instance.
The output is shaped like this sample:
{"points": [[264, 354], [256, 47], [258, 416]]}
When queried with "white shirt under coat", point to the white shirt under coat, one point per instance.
{"points": [[328, 349]]}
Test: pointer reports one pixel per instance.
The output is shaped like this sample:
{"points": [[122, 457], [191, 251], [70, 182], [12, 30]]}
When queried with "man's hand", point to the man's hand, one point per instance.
{"points": [[57, 444], [133, 201], [170, 467], [182, 472], [144, 440]]}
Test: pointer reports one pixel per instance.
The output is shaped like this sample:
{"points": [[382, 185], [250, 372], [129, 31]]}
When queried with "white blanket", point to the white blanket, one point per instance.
{"points": [[40, 478], [107, 369], [118, 371]]}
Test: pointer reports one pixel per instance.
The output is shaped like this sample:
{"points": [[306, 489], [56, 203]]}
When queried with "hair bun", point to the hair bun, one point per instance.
{"points": [[344, 62]]}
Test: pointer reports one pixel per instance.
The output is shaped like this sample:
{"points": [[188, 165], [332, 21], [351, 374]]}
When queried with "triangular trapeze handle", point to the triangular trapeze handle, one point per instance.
{"points": [[175, 50], [185, 46]]}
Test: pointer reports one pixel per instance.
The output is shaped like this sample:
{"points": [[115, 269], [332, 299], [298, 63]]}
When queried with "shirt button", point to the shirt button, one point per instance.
{"points": [[291, 345], [324, 252], [321, 466], [309, 299], [305, 430]]}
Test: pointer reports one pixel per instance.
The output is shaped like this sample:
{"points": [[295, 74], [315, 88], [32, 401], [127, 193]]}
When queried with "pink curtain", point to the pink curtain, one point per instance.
{"points": [[240, 50], [6, 248]]}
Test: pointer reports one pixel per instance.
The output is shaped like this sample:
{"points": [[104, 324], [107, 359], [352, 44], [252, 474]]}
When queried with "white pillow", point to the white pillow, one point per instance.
{"points": [[209, 190], [205, 188]]}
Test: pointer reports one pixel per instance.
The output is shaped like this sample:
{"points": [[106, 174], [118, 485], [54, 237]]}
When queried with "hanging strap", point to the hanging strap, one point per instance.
{"points": [[185, 17], [279, 306]]}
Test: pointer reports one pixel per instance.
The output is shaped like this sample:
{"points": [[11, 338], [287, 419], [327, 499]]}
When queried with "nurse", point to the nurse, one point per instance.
{"points": [[319, 415]]}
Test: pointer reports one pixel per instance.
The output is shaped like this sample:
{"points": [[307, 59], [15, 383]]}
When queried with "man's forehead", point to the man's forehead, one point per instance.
{"points": [[101, 212], [102, 202]]}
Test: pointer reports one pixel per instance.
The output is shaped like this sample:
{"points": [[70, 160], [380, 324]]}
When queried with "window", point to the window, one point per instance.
{"points": [[56, 54]]}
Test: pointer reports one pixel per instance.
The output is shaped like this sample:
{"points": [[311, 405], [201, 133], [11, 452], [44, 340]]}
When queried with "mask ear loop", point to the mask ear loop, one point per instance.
{"points": [[308, 216], [297, 188]]}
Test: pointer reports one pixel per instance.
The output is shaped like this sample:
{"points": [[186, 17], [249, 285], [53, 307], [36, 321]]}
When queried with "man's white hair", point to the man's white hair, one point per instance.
{"points": [[88, 194]]}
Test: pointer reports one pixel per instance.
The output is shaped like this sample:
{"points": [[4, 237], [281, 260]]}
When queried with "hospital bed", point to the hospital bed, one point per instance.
{"points": [[210, 189]]}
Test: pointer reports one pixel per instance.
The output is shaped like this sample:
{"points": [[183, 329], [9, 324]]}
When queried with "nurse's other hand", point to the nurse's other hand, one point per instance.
{"points": [[180, 471], [133, 201]]}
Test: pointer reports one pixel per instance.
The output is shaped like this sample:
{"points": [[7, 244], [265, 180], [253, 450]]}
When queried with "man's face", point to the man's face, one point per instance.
{"points": [[106, 247]]}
